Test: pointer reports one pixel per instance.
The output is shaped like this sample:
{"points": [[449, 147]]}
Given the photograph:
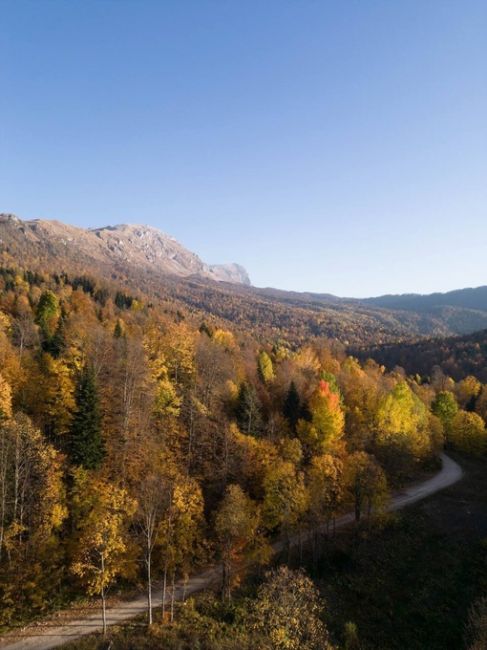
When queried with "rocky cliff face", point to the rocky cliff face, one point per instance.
{"points": [[132, 245], [233, 273]]}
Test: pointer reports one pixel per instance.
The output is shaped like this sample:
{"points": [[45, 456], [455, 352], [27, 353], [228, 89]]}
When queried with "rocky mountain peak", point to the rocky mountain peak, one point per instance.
{"points": [[136, 245]]}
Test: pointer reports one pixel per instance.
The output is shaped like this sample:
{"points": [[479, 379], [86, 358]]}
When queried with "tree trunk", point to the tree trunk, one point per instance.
{"points": [[226, 580], [104, 611], [314, 549], [149, 589], [369, 509], [103, 596], [164, 587], [358, 509], [172, 595]]}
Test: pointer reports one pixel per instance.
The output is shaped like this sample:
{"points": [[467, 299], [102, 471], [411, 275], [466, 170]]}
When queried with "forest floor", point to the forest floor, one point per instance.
{"points": [[71, 624]]}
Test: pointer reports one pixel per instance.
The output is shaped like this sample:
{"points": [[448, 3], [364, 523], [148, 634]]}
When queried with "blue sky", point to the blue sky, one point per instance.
{"points": [[327, 146]]}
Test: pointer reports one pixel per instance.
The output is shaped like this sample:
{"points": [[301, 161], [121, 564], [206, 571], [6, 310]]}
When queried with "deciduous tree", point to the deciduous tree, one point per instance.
{"points": [[288, 612], [104, 512], [365, 482], [327, 420], [236, 526]]}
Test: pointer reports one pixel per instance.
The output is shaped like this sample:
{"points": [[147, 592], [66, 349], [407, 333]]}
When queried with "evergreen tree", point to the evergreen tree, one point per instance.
{"points": [[85, 443], [248, 407], [56, 343], [292, 406]]}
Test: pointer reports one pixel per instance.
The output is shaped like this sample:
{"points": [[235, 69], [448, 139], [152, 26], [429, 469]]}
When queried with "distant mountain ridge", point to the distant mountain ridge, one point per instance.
{"points": [[134, 245], [469, 298], [153, 265]]}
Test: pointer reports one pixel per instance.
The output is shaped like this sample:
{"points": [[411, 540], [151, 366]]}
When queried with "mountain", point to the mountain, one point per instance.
{"points": [[471, 298], [130, 245], [154, 267]]}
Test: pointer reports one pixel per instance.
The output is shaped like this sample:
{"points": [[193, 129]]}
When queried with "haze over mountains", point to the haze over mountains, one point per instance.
{"points": [[145, 259]]}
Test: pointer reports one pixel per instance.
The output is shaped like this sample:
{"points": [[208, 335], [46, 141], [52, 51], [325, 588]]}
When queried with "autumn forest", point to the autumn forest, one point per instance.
{"points": [[243, 325], [139, 446]]}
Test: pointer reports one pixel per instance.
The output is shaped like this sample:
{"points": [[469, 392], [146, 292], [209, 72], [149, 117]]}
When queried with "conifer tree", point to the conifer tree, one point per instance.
{"points": [[248, 409], [85, 444], [292, 406]]}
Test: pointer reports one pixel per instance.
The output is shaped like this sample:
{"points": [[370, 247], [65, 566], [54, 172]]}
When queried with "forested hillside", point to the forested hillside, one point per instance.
{"points": [[138, 442], [145, 261], [458, 356]]}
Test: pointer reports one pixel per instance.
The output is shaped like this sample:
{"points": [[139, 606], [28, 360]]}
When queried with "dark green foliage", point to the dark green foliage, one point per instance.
{"points": [[248, 409], [292, 406], [330, 378], [55, 344], [47, 313], [445, 407], [33, 278], [85, 283], [123, 300], [205, 329], [85, 444], [101, 296]]}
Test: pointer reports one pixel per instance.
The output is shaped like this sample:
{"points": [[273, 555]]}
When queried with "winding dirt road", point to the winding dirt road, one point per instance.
{"points": [[53, 635]]}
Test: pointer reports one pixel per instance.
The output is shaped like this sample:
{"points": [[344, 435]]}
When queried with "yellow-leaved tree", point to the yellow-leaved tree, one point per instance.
{"points": [[403, 428], [285, 498], [102, 512], [326, 426], [32, 510], [5, 398], [325, 488], [365, 483], [236, 527], [468, 433]]}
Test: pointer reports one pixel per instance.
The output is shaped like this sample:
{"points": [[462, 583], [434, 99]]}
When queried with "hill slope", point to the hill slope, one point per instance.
{"points": [[111, 246], [154, 265], [456, 356]]}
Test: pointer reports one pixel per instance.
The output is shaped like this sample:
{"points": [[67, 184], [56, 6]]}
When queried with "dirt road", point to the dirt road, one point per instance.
{"points": [[53, 635]]}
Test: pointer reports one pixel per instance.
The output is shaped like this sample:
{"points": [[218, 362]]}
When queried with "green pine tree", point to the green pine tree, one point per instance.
{"points": [[85, 443], [292, 406], [248, 407]]}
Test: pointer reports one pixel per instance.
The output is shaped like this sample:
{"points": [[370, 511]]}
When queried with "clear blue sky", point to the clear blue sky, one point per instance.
{"points": [[333, 146]]}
